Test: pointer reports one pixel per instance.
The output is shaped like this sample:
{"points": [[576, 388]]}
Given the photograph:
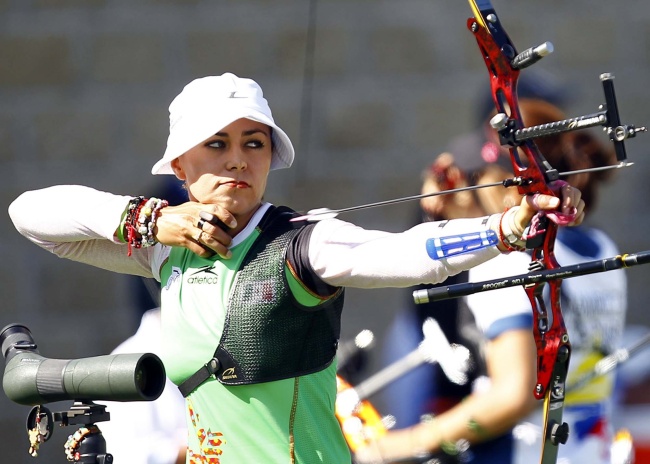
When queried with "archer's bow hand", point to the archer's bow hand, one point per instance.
{"points": [[567, 209]]}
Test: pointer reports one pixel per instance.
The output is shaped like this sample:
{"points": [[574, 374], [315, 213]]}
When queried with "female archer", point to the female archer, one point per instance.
{"points": [[251, 301]]}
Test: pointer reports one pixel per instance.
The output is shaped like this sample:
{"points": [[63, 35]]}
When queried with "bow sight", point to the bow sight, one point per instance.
{"points": [[607, 116]]}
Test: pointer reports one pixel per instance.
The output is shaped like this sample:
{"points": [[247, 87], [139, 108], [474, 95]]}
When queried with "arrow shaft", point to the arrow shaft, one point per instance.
{"points": [[506, 183], [416, 197]]}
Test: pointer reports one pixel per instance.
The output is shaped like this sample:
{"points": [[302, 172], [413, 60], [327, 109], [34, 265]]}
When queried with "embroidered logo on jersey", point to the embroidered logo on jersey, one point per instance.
{"points": [[174, 276], [203, 276]]}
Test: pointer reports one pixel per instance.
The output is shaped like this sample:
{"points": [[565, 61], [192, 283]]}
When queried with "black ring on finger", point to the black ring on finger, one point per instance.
{"points": [[214, 220], [206, 216], [200, 223]]}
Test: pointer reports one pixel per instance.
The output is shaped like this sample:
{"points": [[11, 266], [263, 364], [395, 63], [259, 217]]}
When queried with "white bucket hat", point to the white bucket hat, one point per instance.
{"points": [[207, 105]]}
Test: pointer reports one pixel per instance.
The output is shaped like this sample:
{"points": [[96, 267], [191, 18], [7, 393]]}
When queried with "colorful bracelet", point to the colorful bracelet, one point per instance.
{"points": [[147, 220], [140, 221]]}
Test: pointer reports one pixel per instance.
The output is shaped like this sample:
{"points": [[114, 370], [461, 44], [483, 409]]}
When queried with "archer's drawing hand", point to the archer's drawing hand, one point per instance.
{"points": [[200, 228]]}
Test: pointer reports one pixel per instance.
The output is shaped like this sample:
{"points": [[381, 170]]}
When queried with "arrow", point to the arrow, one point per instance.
{"points": [[321, 214]]}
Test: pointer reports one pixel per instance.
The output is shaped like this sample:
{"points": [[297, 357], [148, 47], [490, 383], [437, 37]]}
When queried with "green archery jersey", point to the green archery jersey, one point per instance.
{"points": [[284, 421]]}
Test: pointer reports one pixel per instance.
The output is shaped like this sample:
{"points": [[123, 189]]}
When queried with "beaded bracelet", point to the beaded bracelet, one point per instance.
{"points": [[140, 221], [147, 220]]}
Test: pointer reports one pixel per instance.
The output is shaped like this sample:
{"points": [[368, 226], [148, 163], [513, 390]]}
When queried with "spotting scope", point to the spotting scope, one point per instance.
{"points": [[31, 379]]}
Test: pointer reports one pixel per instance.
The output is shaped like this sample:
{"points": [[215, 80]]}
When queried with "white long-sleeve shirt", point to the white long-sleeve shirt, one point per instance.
{"points": [[79, 223]]}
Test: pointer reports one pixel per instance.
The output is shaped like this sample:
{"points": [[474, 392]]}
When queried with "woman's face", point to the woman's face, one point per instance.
{"points": [[229, 169]]}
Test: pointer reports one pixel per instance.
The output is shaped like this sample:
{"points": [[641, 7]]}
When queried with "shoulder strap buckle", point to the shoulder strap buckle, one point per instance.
{"points": [[204, 373]]}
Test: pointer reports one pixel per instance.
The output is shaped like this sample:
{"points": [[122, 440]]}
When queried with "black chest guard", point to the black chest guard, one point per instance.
{"points": [[268, 335]]}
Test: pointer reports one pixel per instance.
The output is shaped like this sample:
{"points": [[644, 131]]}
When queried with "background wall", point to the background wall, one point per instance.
{"points": [[369, 93]]}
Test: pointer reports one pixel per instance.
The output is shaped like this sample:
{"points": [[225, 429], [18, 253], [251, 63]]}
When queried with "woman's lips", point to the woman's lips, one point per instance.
{"points": [[235, 184]]}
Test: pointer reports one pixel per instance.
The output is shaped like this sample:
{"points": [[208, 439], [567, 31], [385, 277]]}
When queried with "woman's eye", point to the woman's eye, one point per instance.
{"points": [[217, 144], [255, 144]]}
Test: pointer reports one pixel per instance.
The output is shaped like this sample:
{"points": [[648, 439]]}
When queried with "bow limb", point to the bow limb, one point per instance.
{"points": [[551, 337]]}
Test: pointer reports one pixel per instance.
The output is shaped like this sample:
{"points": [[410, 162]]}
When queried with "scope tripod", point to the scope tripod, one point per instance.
{"points": [[87, 445]]}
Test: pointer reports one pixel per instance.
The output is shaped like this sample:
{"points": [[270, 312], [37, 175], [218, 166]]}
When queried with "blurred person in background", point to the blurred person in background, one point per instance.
{"points": [[442, 418], [147, 432]]}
